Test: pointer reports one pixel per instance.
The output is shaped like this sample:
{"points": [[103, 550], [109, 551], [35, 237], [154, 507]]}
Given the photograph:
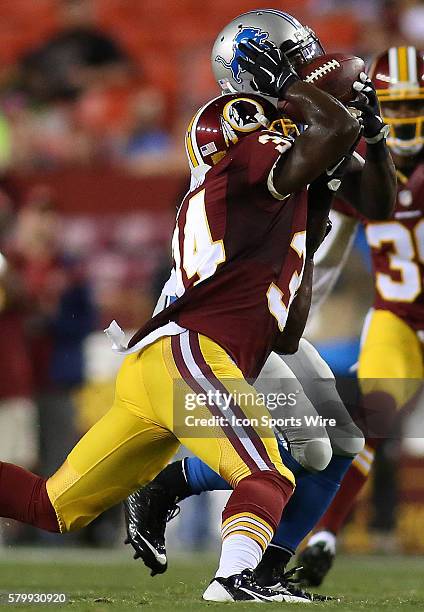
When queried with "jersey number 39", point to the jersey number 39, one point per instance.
{"points": [[407, 253]]}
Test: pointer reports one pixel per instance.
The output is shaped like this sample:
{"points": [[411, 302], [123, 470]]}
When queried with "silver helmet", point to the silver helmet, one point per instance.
{"points": [[299, 42]]}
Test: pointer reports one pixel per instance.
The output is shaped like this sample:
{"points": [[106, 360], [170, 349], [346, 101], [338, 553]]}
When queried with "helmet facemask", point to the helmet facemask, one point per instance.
{"points": [[304, 49], [285, 126], [398, 77], [405, 118]]}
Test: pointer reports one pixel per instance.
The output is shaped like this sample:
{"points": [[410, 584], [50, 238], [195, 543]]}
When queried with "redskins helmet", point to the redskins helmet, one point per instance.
{"points": [[299, 42], [398, 76], [221, 123]]}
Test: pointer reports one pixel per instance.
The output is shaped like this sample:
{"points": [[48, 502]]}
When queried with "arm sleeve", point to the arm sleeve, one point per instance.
{"points": [[331, 257]]}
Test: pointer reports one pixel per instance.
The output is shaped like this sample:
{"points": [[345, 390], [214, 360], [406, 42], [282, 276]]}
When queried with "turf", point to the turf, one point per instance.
{"points": [[105, 580]]}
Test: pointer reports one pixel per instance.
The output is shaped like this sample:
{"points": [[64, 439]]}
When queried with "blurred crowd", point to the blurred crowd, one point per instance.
{"points": [[113, 83], [62, 280]]}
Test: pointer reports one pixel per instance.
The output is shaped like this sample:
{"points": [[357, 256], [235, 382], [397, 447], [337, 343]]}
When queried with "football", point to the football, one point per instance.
{"points": [[334, 74]]}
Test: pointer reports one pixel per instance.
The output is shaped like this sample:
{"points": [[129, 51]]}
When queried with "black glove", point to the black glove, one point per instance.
{"points": [[271, 70], [367, 104]]}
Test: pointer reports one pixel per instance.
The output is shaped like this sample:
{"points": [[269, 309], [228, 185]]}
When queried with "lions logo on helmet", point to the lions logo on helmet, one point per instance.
{"points": [[299, 43], [242, 36]]}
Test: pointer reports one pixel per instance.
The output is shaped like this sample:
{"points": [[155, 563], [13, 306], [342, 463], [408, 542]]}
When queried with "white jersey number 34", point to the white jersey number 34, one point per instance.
{"points": [[202, 255], [275, 295]]}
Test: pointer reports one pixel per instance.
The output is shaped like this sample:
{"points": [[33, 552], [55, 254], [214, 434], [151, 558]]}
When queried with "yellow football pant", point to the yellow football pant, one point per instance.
{"points": [[391, 358], [142, 431]]}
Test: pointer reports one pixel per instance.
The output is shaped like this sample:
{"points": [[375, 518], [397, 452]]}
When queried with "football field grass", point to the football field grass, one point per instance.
{"points": [[104, 580]]}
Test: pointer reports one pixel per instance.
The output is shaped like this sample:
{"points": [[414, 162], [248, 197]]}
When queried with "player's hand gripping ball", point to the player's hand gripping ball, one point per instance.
{"points": [[368, 107], [335, 74]]}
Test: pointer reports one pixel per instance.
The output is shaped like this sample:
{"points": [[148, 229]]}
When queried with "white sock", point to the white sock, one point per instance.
{"points": [[326, 537], [238, 553]]}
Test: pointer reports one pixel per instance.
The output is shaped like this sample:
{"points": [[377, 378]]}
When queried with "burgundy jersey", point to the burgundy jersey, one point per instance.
{"points": [[397, 250], [239, 254]]}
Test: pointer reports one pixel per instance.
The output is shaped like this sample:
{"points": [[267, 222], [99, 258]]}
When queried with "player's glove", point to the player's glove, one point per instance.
{"points": [[271, 70], [367, 104]]}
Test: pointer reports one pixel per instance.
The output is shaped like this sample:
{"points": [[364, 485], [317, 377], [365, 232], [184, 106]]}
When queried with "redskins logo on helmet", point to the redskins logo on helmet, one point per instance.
{"points": [[398, 76], [299, 42], [224, 120]]}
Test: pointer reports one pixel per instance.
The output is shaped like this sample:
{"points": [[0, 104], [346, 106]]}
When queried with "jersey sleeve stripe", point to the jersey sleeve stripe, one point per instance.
{"points": [[271, 187]]}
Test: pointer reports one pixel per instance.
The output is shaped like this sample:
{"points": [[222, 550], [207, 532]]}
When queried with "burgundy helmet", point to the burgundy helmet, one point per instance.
{"points": [[220, 123], [398, 76]]}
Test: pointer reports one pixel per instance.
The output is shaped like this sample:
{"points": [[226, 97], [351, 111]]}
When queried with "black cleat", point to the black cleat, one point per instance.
{"points": [[243, 587], [286, 582], [271, 572], [316, 561], [146, 513]]}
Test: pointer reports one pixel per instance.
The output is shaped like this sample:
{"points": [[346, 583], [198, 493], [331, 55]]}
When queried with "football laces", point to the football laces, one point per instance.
{"points": [[322, 71]]}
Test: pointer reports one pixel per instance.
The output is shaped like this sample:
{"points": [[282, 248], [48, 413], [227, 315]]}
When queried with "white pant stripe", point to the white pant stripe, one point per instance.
{"points": [[247, 519], [243, 528], [367, 454], [362, 462], [228, 413]]}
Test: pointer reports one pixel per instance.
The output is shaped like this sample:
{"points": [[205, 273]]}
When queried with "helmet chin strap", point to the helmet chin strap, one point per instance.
{"points": [[262, 120]]}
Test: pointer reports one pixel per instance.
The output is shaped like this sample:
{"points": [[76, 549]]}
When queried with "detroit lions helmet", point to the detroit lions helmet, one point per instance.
{"points": [[299, 42]]}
